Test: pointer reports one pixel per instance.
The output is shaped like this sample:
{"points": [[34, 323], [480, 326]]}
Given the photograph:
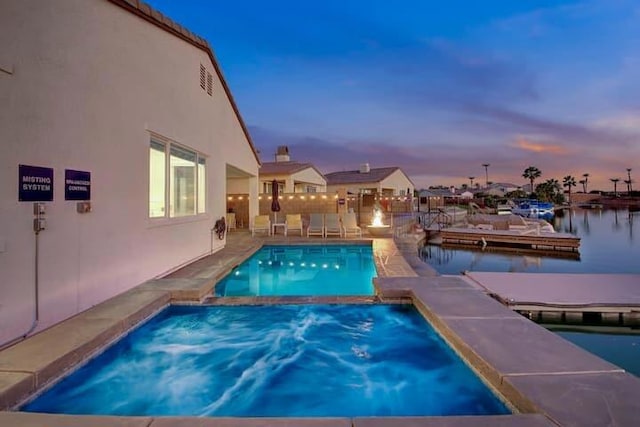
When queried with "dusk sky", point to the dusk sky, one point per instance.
{"points": [[435, 87]]}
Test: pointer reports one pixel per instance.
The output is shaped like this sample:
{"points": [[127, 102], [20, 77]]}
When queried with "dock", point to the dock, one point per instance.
{"points": [[593, 299], [530, 239]]}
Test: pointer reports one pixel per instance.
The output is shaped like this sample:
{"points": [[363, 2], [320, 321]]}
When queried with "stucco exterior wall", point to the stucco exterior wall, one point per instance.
{"points": [[90, 82], [399, 182], [310, 176]]}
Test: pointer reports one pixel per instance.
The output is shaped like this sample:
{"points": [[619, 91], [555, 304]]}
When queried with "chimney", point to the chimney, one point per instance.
{"points": [[282, 154], [364, 168]]}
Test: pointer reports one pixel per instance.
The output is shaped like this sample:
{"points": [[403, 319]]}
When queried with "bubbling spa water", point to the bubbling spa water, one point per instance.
{"points": [[286, 360]]}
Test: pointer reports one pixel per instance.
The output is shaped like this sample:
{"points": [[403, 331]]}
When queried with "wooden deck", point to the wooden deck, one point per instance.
{"points": [[512, 238]]}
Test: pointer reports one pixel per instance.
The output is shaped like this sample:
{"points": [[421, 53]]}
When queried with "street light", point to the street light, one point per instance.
{"points": [[486, 172]]}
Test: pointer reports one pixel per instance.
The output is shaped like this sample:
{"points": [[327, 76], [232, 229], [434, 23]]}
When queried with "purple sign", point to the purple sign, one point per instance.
{"points": [[77, 185], [35, 184]]}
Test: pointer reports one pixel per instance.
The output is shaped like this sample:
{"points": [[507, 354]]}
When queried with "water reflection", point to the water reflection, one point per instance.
{"points": [[607, 246]]}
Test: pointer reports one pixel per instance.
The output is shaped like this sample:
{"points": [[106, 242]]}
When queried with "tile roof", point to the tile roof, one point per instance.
{"points": [[355, 176], [277, 168], [153, 16]]}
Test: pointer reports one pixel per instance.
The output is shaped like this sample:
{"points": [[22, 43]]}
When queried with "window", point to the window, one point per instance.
{"points": [[267, 187], [182, 179], [201, 185], [157, 179], [177, 179]]}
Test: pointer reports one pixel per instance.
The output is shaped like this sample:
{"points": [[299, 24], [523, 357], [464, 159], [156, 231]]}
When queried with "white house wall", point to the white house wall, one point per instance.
{"points": [[311, 176], [90, 81], [399, 182]]}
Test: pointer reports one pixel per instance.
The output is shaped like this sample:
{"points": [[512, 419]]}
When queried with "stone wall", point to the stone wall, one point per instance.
{"points": [[306, 203]]}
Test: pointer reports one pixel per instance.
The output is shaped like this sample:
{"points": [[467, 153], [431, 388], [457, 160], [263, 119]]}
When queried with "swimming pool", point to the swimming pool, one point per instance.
{"points": [[309, 270], [283, 360]]}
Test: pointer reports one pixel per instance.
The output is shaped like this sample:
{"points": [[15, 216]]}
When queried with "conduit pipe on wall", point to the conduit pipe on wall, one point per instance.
{"points": [[36, 317]]}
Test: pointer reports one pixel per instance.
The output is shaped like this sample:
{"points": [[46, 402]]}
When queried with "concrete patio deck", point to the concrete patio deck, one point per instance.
{"points": [[547, 380]]}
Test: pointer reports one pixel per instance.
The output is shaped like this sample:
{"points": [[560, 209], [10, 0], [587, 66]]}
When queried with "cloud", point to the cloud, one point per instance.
{"points": [[538, 147]]}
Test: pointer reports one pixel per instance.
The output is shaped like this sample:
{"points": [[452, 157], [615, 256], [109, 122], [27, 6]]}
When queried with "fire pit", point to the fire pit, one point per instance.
{"points": [[377, 228]]}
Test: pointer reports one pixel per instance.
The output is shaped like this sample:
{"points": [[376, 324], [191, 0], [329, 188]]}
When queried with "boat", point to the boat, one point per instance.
{"points": [[534, 209], [505, 209], [511, 223]]}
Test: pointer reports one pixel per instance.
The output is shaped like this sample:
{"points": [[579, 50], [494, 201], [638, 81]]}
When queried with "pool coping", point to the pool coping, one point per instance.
{"points": [[566, 386]]}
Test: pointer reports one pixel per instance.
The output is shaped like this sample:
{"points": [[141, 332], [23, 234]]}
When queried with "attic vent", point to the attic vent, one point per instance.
{"points": [[203, 74], [209, 84]]}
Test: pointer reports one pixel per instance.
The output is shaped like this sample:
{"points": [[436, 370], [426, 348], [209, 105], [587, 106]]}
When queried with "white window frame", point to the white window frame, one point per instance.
{"points": [[199, 212]]}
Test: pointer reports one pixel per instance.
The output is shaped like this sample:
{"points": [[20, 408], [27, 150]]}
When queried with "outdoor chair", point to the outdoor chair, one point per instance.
{"points": [[332, 226], [261, 223], [231, 221], [350, 225], [316, 225], [293, 222]]}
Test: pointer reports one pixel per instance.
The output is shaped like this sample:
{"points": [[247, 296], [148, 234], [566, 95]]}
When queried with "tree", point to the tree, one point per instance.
{"points": [[615, 186], [550, 191], [628, 181], [531, 173], [586, 181], [569, 181], [471, 178]]}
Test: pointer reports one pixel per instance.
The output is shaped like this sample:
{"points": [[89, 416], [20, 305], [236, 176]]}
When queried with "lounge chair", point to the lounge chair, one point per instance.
{"points": [[231, 221], [350, 225], [332, 226], [316, 225], [293, 223], [261, 223]]}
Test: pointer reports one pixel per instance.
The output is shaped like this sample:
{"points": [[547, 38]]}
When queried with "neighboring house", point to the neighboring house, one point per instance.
{"points": [[466, 195], [390, 181], [499, 189], [292, 177], [432, 199], [120, 122]]}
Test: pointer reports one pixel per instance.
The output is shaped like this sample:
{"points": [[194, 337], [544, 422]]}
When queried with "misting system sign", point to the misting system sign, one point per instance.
{"points": [[77, 185], [35, 184]]}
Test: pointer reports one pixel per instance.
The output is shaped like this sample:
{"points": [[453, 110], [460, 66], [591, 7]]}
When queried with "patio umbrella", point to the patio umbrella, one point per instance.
{"points": [[275, 203]]}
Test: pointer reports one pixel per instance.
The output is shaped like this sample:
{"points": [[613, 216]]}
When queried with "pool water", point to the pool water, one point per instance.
{"points": [[287, 360], [311, 270]]}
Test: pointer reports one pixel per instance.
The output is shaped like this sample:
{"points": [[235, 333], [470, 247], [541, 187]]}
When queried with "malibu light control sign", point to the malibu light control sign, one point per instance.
{"points": [[35, 184], [77, 185]]}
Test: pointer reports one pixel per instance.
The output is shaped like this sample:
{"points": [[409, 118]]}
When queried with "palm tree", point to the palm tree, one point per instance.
{"points": [[615, 186], [471, 178], [582, 182], [586, 181], [629, 180], [531, 173], [486, 172], [569, 181]]}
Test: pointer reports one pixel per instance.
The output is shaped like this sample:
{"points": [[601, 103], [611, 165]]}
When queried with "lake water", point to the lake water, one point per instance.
{"points": [[620, 346], [608, 245]]}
